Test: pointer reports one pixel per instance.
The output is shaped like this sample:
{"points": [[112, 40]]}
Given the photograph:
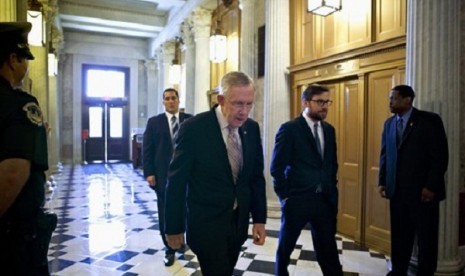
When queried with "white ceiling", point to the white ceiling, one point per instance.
{"points": [[134, 18]]}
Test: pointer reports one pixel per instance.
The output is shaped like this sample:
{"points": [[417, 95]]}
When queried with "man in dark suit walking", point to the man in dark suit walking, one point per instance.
{"points": [[217, 169], [413, 161], [304, 169], [157, 153]]}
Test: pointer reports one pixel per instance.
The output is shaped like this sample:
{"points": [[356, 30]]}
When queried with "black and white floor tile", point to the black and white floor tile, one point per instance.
{"points": [[108, 225]]}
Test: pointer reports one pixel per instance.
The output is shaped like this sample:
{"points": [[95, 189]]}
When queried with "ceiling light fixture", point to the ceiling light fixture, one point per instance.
{"points": [[323, 7], [175, 67], [218, 41]]}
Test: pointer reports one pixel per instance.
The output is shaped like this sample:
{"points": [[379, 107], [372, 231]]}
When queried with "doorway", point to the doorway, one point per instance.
{"points": [[105, 114]]}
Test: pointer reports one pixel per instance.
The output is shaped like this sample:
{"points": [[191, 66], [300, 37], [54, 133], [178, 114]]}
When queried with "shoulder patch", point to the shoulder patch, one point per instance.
{"points": [[34, 114]]}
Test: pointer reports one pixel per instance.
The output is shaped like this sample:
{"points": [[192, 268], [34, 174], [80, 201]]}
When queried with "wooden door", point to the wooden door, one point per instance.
{"points": [[346, 115], [376, 209]]}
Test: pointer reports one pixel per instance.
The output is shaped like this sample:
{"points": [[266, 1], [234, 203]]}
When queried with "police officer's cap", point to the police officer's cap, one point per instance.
{"points": [[14, 38]]}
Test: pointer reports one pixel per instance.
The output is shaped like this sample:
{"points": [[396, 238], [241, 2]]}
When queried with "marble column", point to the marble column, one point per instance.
{"points": [[276, 101], [433, 70], [153, 99], [201, 23], [165, 58], [247, 57], [189, 61]]}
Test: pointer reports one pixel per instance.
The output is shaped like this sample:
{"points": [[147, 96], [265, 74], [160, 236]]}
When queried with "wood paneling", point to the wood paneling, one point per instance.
{"points": [[390, 19], [347, 29], [344, 115], [377, 226]]}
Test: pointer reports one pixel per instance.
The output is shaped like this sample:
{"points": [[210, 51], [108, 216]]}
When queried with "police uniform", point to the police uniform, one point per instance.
{"points": [[23, 135]]}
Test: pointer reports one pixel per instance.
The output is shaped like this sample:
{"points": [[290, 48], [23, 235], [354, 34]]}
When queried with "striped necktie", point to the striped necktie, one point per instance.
{"points": [[234, 153], [175, 126]]}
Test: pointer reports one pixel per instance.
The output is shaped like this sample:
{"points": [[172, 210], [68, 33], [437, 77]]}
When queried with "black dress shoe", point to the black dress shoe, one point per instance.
{"points": [[169, 259]]}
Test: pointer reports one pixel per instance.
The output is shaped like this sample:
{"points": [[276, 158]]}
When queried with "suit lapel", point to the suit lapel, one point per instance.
{"points": [[307, 132]]}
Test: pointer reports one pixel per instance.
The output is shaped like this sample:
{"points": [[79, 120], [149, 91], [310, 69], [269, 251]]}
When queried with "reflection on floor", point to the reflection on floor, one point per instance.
{"points": [[108, 225]]}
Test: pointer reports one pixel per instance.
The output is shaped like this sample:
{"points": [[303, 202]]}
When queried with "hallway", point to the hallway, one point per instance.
{"points": [[108, 225]]}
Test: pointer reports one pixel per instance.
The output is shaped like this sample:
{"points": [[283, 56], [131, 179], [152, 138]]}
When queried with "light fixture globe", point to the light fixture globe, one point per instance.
{"points": [[218, 46]]}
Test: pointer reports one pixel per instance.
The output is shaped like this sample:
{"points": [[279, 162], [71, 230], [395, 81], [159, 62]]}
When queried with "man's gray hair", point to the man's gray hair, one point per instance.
{"points": [[232, 79]]}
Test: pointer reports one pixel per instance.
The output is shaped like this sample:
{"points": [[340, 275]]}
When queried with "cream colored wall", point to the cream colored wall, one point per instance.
{"points": [[94, 49]]}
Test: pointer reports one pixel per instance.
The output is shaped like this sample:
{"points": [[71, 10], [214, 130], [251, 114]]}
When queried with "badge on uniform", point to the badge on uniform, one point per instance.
{"points": [[34, 114]]}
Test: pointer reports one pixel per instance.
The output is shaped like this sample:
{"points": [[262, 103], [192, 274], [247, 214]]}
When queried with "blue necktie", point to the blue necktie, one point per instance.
{"points": [[400, 130]]}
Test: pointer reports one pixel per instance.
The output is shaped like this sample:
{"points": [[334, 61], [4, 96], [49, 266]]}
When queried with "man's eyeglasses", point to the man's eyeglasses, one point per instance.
{"points": [[241, 105], [322, 102]]}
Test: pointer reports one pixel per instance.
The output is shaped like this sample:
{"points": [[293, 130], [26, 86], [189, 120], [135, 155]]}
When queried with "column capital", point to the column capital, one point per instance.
{"points": [[150, 64], [168, 49], [187, 33], [200, 20]]}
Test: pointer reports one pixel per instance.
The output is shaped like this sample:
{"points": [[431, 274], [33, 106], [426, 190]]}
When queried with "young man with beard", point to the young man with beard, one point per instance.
{"points": [[304, 170]]}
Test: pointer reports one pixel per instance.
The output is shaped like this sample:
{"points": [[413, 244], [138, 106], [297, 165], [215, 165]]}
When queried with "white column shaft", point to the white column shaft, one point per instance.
{"points": [[433, 70], [277, 103]]}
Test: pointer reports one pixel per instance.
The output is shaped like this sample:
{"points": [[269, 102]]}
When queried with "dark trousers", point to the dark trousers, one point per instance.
{"points": [[410, 219], [317, 211], [161, 219], [17, 254], [220, 256]]}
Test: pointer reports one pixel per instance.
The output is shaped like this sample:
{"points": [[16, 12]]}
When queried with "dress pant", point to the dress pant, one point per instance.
{"points": [[409, 219], [161, 219], [220, 257], [296, 213]]}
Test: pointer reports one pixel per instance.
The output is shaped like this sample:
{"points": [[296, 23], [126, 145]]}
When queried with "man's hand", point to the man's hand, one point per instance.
{"points": [[151, 181], [258, 233], [175, 241], [382, 191], [426, 195]]}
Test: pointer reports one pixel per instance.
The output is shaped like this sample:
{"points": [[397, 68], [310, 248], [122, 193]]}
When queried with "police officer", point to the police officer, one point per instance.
{"points": [[25, 230]]}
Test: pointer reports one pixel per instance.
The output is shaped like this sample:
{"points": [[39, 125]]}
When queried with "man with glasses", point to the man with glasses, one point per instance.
{"points": [[157, 146], [304, 170], [217, 169]]}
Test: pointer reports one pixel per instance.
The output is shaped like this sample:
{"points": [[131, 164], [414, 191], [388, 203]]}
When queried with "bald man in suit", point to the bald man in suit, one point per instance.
{"points": [[413, 161]]}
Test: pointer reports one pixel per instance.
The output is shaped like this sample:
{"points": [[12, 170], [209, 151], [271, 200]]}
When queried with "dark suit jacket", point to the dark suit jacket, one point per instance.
{"points": [[200, 168], [297, 167], [158, 147], [421, 159]]}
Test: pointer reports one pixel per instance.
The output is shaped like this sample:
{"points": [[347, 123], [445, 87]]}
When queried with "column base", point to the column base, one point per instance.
{"points": [[445, 268], [274, 209]]}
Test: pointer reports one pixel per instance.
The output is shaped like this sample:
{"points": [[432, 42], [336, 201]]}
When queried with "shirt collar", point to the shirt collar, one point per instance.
{"points": [[406, 116], [169, 115], [309, 120], [221, 119]]}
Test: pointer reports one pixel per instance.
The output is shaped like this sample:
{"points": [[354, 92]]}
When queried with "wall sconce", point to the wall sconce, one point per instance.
{"points": [[37, 35], [52, 65], [218, 42], [175, 68], [323, 7]]}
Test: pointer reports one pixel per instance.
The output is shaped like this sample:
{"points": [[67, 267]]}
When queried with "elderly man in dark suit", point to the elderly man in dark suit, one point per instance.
{"points": [[217, 169], [413, 161], [304, 169], [157, 153]]}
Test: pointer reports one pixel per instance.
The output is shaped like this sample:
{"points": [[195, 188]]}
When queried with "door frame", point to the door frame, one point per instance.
{"points": [[106, 103]]}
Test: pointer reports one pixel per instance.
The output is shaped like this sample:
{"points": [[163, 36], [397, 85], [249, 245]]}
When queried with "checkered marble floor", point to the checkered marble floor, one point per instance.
{"points": [[108, 225]]}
